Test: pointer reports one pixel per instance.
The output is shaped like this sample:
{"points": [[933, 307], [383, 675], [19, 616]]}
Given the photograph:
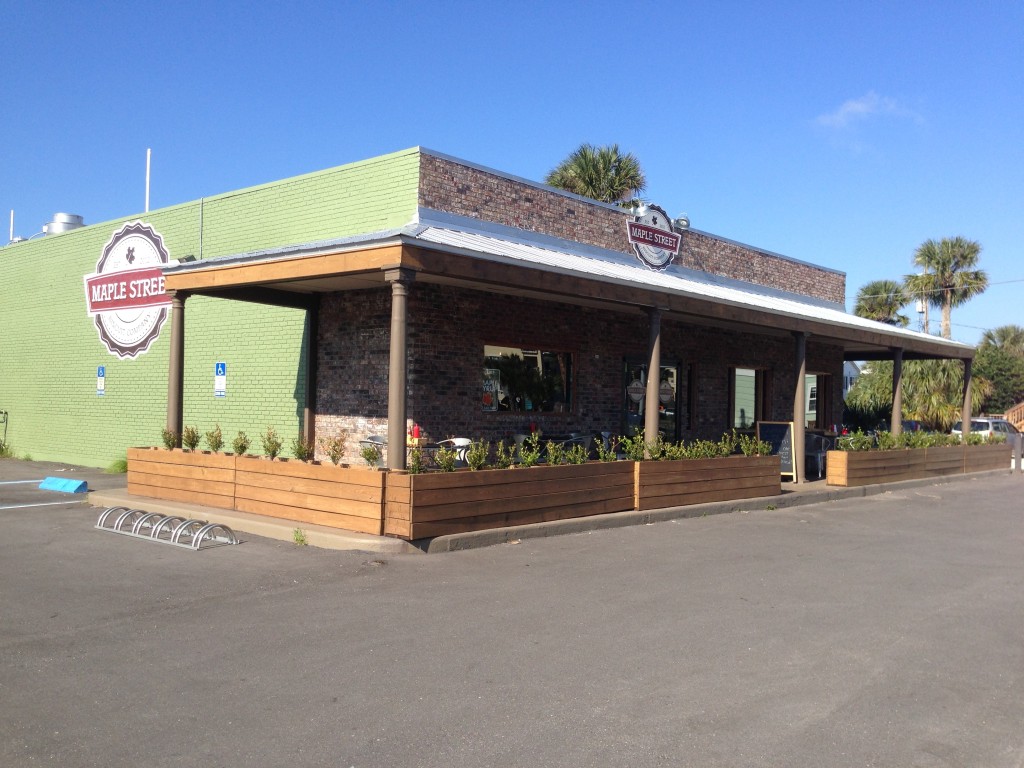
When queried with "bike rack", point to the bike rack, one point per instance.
{"points": [[167, 529]]}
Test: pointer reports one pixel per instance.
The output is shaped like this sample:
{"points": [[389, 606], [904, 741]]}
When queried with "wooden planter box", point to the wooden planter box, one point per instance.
{"points": [[196, 477], [855, 468], [979, 458], [427, 505], [695, 481], [322, 494]]}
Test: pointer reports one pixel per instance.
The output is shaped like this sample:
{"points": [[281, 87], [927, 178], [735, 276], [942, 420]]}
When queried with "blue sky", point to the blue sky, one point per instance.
{"points": [[843, 134]]}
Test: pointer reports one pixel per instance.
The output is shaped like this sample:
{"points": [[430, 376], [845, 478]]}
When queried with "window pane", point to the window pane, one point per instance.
{"points": [[517, 379], [746, 398]]}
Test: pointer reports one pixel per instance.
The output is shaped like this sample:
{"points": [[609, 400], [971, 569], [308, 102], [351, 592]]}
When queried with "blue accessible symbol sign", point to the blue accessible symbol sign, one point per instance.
{"points": [[101, 380], [220, 379]]}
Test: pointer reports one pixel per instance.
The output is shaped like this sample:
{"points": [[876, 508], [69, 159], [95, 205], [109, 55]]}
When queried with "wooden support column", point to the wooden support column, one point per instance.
{"points": [[965, 414], [799, 406], [398, 367], [896, 421], [653, 377], [312, 363], [176, 367]]}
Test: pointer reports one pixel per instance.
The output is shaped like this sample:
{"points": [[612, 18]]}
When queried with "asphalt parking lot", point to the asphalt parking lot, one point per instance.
{"points": [[878, 631]]}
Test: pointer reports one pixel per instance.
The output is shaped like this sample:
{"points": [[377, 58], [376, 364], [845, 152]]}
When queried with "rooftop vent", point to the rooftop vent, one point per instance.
{"points": [[63, 222]]}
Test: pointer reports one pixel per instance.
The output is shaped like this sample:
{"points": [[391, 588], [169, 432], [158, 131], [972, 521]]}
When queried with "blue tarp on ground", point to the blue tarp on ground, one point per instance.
{"points": [[63, 484]]}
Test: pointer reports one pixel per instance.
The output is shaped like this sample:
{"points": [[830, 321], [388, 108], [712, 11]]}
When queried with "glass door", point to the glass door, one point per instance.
{"points": [[634, 399]]}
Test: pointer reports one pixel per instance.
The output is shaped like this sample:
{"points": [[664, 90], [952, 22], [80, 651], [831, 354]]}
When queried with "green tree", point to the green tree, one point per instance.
{"points": [[1009, 338], [1000, 359], [882, 300], [950, 277], [602, 173], [932, 392]]}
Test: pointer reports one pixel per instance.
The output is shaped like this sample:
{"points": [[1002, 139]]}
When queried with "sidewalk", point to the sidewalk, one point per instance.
{"points": [[793, 495]]}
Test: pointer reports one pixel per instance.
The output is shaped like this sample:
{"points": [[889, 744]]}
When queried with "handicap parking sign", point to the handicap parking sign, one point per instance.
{"points": [[220, 379]]}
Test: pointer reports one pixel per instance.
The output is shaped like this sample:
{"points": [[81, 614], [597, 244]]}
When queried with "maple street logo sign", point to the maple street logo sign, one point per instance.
{"points": [[125, 295], [652, 238]]}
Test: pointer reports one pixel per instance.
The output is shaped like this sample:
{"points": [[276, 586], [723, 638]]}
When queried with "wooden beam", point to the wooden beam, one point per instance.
{"points": [[285, 269]]}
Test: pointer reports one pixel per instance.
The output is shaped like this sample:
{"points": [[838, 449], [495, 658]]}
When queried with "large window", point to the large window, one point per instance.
{"points": [[518, 379]]}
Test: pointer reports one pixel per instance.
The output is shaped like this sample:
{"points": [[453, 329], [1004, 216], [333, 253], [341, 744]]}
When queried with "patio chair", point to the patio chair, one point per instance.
{"points": [[816, 447], [460, 445]]}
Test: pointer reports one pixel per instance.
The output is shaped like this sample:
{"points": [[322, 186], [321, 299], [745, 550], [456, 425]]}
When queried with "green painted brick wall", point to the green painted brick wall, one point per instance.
{"points": [[50, 349]]}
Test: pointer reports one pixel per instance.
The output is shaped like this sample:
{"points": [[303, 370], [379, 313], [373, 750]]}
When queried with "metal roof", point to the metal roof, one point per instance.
{"points": [[621, 269]]}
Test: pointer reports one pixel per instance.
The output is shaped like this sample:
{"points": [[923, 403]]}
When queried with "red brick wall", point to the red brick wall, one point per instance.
{"points": [[448, 328], [446, 185]]}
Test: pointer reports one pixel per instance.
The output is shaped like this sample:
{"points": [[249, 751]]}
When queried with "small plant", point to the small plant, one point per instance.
{"points": [[608, 452], [771, 507], [886, 440], [476, 455], [271, 443], [6, 451], [727, 444], [118, 467], [169, 437], [446, 458], [190, 438], [855, 441], [633, 447], [555, 453], [302, 449], [299, 537], [240, 444], [215, 439], [994, 439], [657, 451], [334, 447], [750, 445], [504, 455], [530, 450], [415, 465], [577, 454], [371, 454]]}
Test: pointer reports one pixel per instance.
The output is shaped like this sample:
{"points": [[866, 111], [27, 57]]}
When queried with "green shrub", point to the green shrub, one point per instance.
{"points": [[608, 453], [855, 441], [271, 443], [169, 438], [214, 439], [504, 455], [415, 465], [371, 454], [477, 454], [751, 445], [190, 438], [577, 454], [334, 447], [555, 453], [118, 467], [634, 447], [530, 450], [446, 458], [302, 449], [240, 444]]}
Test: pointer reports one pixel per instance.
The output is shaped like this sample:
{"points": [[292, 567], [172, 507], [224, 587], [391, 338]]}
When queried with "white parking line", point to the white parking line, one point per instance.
{"points": [[20, 482], [46, 504]]}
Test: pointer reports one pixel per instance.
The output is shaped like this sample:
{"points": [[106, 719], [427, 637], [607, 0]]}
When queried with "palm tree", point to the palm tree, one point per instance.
{"points": [[950, 277], [602, 173], [882, 300], [1009, 338]]}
